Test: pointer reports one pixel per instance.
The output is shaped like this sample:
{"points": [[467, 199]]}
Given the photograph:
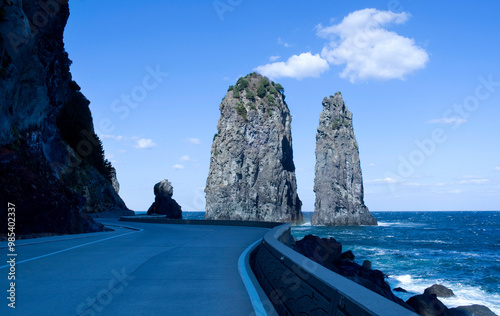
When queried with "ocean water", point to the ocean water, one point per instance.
{"points": [[460, 250]]}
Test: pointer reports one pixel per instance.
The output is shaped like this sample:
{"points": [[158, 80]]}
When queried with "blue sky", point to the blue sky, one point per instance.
{"points": [[422, 80]]}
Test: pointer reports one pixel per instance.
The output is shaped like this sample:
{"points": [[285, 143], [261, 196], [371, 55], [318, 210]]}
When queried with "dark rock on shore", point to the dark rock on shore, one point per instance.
{"points": [[472, 310], [428, 305], [348, 255], [325, 251], [369, 278], [439, 290], [164, 204], [51, 160], [338, 182], [328, 253], [367, 264]]}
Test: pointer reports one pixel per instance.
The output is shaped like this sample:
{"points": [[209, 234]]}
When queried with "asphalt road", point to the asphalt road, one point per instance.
{"points": [[157, 270]]}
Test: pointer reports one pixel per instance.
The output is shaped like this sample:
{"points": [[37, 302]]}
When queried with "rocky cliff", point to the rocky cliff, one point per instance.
{"points": [[52, 162], [338, 181], [252, 174]]}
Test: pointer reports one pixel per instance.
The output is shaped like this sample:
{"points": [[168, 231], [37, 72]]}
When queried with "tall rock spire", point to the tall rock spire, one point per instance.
{"points": [[338, 181], [252, 174]]}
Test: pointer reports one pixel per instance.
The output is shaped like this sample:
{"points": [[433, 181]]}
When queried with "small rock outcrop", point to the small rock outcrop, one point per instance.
{"points": [[428, 305], [367, 264], [338, 181], [164, 204], [472, 310], [439, 290], [52, 163], [325, 251], [400, 289], [348, 255], [252, 174]]}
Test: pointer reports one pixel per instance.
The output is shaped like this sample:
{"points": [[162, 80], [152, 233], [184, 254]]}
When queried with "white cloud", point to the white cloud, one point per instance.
{"points": [[387, 180], [135, 141], [298, 67], [474, 181], [194, 141], [114, 137], [414, 184], [368, 50], [281, 42], [449, 121], [145, 143], [497, 168], [178, 167], [372, 165], [274, 58], [185, 158]]}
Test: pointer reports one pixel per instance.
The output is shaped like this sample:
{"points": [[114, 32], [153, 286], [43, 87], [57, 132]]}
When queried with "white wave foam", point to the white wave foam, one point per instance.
{"points": [[399, 224], [437, 241], [386, 224], [464, 295], [468, 295], [404, 279]]}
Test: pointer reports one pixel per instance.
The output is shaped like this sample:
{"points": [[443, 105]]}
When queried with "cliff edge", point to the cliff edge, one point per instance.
{"points": [[52, 162]]}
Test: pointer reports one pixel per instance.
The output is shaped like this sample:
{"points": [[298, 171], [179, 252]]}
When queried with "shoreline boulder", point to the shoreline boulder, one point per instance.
{"points": [[164, 204], [472, 310], [428, 305], [439, 290], [325, 251]]}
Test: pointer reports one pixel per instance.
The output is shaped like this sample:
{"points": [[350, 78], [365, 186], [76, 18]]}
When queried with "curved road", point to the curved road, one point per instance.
{"points": [[160, 269]]}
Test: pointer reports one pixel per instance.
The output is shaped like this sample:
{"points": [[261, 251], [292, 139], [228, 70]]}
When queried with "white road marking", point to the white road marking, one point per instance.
{"points": [[64, 250]]}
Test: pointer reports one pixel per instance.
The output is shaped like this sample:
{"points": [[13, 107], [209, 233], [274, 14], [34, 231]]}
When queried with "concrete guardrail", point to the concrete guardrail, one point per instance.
{"points": [[297, 285]]}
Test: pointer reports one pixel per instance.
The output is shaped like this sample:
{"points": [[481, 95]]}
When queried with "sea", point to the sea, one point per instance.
{"points": [[460, 250]]}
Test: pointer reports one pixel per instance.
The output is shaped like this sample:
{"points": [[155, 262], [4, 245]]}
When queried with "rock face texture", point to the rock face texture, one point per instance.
{"points": [[472, 310], [328, 253], [51, 161], [325, 251], [428, 305], [338, 182], [252, 174], [439, 290], [164, 204]]}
